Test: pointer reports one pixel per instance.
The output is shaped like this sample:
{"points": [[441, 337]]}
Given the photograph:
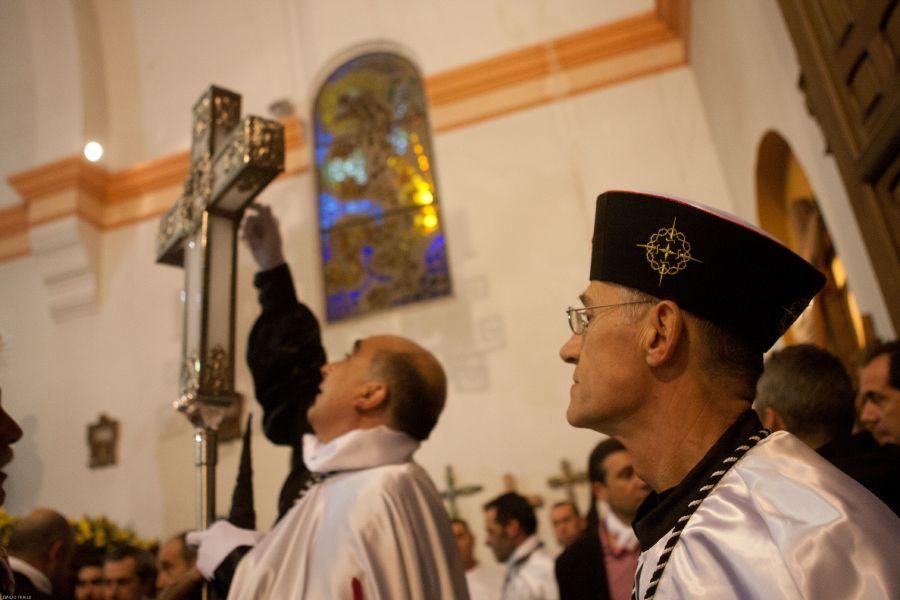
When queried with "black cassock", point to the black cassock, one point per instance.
{"points": [[285, 356]]}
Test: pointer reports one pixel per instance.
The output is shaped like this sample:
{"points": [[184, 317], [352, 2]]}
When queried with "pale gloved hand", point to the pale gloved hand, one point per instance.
{"points": [[217, 542], [260, 232]]}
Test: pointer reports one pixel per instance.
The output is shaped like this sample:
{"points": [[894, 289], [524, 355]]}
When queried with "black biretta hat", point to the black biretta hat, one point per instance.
{"points": [[709, 263]]}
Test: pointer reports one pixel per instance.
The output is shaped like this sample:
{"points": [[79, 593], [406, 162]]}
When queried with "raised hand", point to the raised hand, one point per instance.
{"points": [[260, 232]]}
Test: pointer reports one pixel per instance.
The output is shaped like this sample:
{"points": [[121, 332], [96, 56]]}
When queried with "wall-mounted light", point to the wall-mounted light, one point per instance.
{"points": [[93, 151]]}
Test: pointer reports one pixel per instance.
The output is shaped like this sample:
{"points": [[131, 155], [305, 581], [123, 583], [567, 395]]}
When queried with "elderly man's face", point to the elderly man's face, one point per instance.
{"points": [[121, 579], [567, 525], [606, 358], [880, 402]]}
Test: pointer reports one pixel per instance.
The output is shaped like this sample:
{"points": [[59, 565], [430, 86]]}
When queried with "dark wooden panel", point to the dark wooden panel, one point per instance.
{"points": [[848, 52]]}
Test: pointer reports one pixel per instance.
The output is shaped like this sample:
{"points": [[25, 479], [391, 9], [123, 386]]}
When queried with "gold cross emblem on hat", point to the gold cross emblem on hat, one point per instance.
{"points": [[668, 251]]}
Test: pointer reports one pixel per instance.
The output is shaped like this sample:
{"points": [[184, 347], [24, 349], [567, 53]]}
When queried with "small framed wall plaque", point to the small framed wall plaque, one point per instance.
{"points": [[103, 440]]}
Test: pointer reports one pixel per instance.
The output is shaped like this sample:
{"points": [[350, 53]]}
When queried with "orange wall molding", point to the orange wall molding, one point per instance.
{"points": [[601, 56]]}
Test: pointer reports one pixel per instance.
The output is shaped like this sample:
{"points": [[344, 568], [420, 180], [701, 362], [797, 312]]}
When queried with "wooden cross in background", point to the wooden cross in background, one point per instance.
{"points": [[568, 480], [452, 492]]}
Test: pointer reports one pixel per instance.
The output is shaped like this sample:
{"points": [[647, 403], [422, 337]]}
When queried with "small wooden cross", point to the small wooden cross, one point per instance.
{"points": [[510, 484], [452, 492], [568, 480]]}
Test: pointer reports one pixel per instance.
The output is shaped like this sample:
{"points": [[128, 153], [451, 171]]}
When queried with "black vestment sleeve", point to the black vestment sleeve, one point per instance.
{"points": [[285, 357]]}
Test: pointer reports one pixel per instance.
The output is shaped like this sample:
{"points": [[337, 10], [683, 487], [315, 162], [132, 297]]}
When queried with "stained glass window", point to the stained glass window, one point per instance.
{"points": [[381, 232]]}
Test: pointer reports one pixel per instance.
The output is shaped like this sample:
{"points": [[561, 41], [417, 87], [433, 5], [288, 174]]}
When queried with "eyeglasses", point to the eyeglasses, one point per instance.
{"points": [[579, 319]]}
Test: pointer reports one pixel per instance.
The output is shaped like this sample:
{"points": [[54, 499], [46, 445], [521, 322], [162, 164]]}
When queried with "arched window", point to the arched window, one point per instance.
{"points": [[788, 209], [380, 228]]}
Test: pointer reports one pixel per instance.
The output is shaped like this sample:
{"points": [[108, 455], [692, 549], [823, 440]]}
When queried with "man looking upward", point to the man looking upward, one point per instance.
{"points": [[372, 524], [682, 303]]}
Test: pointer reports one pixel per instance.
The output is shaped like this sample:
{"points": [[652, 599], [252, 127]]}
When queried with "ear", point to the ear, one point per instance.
{"points": [[599, 490], [372, 395], [772, 420], [512, 528], [665, 330], [54, 554]]}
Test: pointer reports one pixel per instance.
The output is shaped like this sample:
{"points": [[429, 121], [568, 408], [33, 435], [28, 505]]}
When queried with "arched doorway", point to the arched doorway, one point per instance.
{"points": [[787, 208]]}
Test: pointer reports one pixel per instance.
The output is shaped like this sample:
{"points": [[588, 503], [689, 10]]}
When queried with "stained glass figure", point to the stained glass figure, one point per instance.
{"points": [[380, 226]]}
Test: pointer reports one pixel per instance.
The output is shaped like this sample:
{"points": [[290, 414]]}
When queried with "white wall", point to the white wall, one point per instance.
{"points": [[747, 73], [517, 194]]}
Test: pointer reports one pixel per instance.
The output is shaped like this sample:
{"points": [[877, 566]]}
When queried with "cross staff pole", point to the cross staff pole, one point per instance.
{"points": [[232, 160]]}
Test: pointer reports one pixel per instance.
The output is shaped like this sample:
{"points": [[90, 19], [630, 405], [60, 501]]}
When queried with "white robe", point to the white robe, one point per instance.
{"points": [[782, 523], [379, 529], [485, 581], [533, 578]]}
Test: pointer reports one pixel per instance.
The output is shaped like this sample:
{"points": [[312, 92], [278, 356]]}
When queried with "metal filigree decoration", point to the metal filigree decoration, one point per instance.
{"points": [[790, 314], [202, 181], [175, 226], [214, 376], [266, 145], [668, 251], [210, 377], [190, 373], [381, 234], [202, 117], [217, 108], [228, 110]]}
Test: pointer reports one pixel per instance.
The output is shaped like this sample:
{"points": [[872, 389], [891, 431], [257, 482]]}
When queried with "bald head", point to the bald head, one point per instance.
{"points": [[43, 539], [417, 385], [384, 380]]}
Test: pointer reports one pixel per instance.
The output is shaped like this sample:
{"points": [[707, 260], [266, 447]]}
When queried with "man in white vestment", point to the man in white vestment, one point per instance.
{"points": [[511, 529], [682, 303], [372, 525]]}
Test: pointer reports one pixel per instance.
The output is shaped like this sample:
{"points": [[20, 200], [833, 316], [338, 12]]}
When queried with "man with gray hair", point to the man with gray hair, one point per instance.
{"points": [[806, 390], [40, 550]]}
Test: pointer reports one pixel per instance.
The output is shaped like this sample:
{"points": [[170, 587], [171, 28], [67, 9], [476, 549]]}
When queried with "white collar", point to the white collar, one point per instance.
{"points": [[37, 579], [526, 548], [358, 449], [619, 531]]}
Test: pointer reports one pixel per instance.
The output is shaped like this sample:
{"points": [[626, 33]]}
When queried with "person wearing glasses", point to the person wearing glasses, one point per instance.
{"points": [[681, 305]]}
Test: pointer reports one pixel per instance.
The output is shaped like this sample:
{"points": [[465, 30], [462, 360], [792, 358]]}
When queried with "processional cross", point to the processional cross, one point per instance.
{"points": [[452, 492], [232, 160], [568, 480]]}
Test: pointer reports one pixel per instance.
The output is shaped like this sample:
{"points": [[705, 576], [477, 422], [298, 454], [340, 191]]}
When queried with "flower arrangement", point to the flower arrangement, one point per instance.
{"points": [[6, 523], [101, 533], [95, 533]]}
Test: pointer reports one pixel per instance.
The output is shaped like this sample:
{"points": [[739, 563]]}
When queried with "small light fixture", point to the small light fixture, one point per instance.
{"points": [[93, 151]]}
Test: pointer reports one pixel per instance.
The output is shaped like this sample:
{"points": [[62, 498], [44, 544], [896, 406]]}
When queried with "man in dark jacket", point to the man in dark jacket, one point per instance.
{"points": [[806, 391], [601, 563]]}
